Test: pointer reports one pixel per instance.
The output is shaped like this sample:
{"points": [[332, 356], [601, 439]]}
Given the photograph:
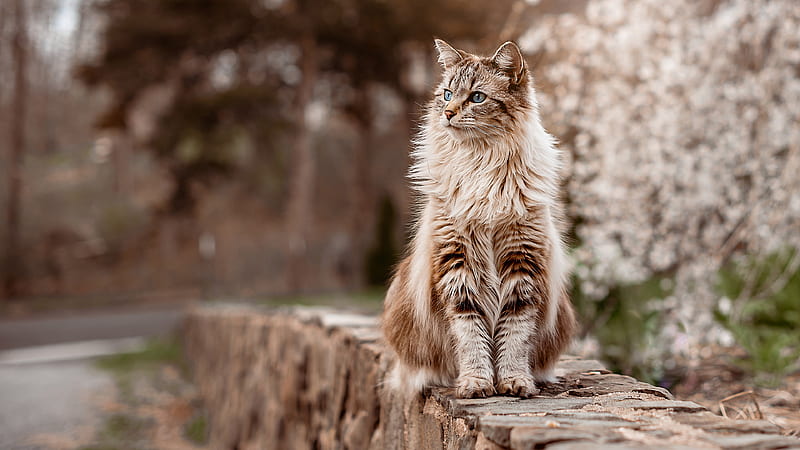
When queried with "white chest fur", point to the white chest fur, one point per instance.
{"points": [[486, 182]]}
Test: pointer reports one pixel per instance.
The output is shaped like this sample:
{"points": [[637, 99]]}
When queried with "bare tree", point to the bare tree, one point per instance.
{"points": [[16, 149], [361, 187], [301, 185]]}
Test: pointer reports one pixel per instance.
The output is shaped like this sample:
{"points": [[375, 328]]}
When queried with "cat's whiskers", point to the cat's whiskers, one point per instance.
{"points": [[485, 129]]}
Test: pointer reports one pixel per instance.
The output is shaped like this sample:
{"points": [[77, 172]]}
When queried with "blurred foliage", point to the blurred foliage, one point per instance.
{"points": [[627, 323], [216, 62], [118, 222], [382, 257], [196, 430], [213, 133], [763, 313], [125, 428], [156, 351], [368, 301], [149, 382]]}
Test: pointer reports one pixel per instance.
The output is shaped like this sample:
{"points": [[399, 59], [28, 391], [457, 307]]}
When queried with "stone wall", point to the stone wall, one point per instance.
{"points": [[310, 378]]}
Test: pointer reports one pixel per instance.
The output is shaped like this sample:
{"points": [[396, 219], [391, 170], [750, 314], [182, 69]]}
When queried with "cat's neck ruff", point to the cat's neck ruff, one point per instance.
{"points": [[501, 178]]}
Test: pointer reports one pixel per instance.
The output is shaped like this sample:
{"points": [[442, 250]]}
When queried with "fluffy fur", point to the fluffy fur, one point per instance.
{"points": [[479, 302]]}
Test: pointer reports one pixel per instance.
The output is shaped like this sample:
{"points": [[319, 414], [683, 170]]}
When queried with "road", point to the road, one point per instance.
{"points": [[51, 405], [51, 395], [17, 333]]}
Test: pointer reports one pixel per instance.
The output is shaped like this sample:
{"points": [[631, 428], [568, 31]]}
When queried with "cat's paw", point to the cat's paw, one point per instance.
{"points": [[521, 385], [472, 387]]}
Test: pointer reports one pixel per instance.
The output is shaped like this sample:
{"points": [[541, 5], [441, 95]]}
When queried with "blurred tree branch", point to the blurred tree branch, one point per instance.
{"points": [[16, 149], [299, 215], [250, 68]]}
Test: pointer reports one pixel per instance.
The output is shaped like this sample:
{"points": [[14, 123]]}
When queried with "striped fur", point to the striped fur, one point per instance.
{"points": [[479, 302]]}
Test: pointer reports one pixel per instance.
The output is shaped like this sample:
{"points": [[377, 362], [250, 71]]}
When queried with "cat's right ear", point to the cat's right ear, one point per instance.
{"points": [[508, 58], [448, 56]]}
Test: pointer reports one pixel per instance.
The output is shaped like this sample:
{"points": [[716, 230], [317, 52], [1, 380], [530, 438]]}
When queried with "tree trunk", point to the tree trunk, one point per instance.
{"points": [[16, 151], [83, 7], [361, 189], [299, 213], [120, 143]]}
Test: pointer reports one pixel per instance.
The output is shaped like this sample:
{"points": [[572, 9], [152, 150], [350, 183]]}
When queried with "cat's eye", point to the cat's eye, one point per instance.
{"points": [[477, 97], [447, 95]]}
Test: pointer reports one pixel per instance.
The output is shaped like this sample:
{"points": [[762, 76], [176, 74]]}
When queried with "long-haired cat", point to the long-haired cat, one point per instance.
{"points": [[480, 302]]}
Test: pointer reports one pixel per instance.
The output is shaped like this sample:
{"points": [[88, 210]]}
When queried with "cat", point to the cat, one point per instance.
{"points": [[480, 301]]}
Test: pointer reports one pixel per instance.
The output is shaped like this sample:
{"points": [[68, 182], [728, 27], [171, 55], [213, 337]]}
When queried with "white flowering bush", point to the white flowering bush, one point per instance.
{"points": [[682, 119]]}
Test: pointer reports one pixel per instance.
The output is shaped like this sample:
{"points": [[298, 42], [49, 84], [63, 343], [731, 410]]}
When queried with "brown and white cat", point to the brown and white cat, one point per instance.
{"points": [[480, 300]]}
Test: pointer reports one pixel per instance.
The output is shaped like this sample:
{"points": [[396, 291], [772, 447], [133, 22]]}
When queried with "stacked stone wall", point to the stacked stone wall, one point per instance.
{"points": [[310, 379]]}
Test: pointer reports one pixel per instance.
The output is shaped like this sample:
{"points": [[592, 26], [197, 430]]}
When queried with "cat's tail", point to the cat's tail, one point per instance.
{"points": [[549, 346], [411, 381]]}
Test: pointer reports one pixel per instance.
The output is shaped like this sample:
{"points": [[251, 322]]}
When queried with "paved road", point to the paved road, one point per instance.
{"points": [[51, 405], [50, 391], [16, 333]]}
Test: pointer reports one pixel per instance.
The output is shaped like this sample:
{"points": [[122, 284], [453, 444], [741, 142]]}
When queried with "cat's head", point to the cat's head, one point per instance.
{"points": [[481, 97]]}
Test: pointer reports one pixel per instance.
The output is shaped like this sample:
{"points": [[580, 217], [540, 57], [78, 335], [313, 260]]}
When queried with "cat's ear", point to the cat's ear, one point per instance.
{"points": [[448, 56], [508, 58]]}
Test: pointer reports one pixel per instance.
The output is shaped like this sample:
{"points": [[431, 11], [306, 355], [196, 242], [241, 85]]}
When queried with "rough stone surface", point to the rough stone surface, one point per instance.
{"points": [[310, 378]]}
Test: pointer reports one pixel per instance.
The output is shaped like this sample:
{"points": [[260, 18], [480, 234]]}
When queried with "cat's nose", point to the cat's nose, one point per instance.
{"points": [[449, 114]]}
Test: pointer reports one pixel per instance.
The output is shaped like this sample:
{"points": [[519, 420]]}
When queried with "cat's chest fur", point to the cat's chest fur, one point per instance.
{"points": [[490, 183]]}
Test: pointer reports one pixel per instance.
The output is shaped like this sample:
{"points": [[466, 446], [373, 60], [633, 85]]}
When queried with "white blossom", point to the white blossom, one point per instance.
{"points": [[686, 148]]}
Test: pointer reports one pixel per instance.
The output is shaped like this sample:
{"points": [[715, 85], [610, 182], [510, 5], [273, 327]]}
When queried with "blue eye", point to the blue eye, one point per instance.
{"points": [[477, 97], [447, 95]]}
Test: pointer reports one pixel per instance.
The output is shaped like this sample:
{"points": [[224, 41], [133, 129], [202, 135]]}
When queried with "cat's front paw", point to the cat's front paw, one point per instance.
{"points": [[472, 387], [521, 385]]}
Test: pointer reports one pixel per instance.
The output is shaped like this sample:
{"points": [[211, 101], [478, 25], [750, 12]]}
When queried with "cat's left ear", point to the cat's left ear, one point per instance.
{"points": [[448, 56], [508, 58]]}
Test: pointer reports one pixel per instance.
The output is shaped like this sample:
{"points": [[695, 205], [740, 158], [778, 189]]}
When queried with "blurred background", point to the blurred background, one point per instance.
{"points": [[162, 150]]}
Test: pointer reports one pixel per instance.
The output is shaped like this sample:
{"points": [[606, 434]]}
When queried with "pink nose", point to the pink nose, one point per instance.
{"points": [[449, 114]]}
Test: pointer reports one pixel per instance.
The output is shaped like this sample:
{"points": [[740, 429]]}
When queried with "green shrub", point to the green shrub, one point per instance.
{"points": [[156, 351], [763, 313], [196, 430], [627, 323], [382, 257], [119, 221]]}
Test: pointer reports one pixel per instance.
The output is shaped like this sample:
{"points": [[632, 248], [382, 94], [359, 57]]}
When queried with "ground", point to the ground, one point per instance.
{"points": [[51, 405], [718, 383], [135, 400], [58, 392], [154, 406]]}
